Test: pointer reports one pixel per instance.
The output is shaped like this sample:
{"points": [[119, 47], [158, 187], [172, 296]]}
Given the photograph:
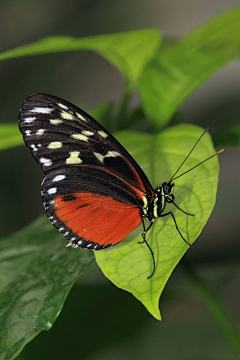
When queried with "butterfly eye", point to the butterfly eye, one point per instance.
{"points": [[166, 188]]}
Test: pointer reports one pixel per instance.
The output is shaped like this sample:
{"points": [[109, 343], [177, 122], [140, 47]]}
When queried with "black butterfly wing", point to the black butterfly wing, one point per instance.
{"points": [[94, 189], [59, 135]]}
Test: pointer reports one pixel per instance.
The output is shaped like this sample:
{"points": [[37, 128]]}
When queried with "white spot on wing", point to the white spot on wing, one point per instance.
{"points": [[58, 178], [52, 191], [29, 119], [28, 132], [42, 110], [64, 107], [46, 162], [33, 146]]}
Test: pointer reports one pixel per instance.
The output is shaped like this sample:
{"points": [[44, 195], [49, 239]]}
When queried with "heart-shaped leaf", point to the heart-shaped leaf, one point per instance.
{"points": [[128, 264]]}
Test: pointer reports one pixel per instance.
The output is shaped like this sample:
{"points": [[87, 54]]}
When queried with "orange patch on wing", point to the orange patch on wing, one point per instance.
{"points": [[97, 218]]}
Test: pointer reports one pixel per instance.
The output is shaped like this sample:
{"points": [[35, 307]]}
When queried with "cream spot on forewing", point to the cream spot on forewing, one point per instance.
{"points": [[55, 121], [52, 191], [102, 134], [40, 132], [80, 137], [29, 119], [64, 107], [101, 157], [46, 162], [42, 110], [55, 145], [81, 117], [87, 132], [58, 178], [66, 115], [73, 158], [28, 132], [112, 154]]}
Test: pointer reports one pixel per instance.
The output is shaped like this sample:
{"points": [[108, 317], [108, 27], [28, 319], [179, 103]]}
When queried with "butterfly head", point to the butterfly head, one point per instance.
{"points": [[166, 189], [163, 195]]}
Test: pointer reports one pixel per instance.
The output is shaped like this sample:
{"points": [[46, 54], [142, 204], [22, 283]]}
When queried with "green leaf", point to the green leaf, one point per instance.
{"points": [[128, 264], [180, 67], [127, 51], [104, 114], [9, 136], [229, 136], [36, 275]]}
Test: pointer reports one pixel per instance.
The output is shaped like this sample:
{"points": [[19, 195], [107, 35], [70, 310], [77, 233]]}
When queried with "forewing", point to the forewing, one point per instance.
{"points": [[59, 135]]}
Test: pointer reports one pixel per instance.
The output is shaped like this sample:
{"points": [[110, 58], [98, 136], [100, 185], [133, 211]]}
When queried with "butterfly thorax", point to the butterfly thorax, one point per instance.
{"points": [[156, 205]]}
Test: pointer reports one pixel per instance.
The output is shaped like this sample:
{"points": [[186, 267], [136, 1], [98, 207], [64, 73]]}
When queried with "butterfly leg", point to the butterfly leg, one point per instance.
{"points": [[171, 213], [182, 209], [145, 241], [145, 231]]}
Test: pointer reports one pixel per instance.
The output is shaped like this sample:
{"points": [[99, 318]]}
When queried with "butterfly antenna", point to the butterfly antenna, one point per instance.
{"points": [[172, 178], [219, 152]]}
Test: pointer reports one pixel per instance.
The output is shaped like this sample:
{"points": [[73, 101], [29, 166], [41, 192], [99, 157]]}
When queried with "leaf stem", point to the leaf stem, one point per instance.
{"points": [[214, 306]]}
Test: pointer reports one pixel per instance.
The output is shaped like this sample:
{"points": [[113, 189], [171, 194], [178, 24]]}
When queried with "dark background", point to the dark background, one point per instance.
{"points": [[114, 324]]}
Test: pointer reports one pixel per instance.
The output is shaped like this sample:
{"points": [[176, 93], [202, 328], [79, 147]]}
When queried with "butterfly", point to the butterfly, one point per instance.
{"points": [[94, 192]]}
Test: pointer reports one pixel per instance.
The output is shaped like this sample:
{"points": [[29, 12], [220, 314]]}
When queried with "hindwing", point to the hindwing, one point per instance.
{"points": [[91, 207]]}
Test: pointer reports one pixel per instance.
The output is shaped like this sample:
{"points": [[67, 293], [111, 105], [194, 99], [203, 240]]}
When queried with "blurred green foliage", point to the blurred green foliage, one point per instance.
{"points": [[36, 272]]}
